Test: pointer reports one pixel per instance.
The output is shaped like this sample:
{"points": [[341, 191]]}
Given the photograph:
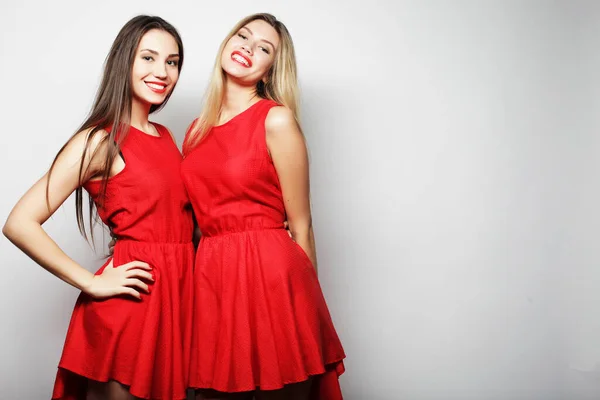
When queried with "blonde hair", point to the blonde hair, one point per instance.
{"points": [[280, 84]]}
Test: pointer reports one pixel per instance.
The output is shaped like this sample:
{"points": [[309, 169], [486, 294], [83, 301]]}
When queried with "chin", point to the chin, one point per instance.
{"points": [[156, 103], [240, 77], [236, 70], [151, 100]]}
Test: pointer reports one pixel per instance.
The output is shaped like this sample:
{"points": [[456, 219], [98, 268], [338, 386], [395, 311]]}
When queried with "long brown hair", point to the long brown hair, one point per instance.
{"points": [[280, 85], [111, 110]]}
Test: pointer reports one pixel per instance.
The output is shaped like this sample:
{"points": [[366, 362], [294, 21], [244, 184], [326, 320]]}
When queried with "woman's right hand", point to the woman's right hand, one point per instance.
{"points": [[126, 279]]}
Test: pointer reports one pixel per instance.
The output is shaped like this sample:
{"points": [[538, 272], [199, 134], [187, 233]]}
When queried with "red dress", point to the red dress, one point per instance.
{"points": [[260, 319], [142, 344]]}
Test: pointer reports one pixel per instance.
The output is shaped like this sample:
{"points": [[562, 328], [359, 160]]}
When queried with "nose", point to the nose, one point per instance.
{"points": [[247, 48], [160, 70]]}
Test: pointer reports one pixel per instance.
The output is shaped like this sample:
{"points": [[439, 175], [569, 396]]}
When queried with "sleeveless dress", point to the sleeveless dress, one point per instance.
{"points": [[142, 344], [260, 318]]}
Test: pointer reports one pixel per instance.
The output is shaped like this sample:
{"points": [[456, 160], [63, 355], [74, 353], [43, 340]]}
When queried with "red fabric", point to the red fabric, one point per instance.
{"points": [[260, 319], [142, 344]]}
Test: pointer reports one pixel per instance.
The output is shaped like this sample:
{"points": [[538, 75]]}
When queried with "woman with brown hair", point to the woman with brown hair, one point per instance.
{"points": [[129, 335]]}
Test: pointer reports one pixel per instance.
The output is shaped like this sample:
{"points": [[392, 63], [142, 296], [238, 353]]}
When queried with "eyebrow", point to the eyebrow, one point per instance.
{"points": [[264, 40], [156, 52]]}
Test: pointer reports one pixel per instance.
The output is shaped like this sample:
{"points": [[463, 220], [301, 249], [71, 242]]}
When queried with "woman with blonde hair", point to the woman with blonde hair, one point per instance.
{"points": [[261, 326]]}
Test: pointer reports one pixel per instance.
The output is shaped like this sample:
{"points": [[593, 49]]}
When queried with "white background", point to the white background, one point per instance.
{"points": [[454, 164]]}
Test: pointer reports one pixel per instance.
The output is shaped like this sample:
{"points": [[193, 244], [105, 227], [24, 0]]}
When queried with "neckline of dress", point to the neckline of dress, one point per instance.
{"points": [[160, 135], [239, 114]]}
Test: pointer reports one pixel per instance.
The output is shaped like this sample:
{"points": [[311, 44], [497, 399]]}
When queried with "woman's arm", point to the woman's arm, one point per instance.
{"points": [[287, 148], [23, 226]]}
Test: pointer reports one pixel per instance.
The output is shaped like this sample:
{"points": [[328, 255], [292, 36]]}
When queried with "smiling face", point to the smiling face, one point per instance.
{"points": [[250, 53], [155, 68]]}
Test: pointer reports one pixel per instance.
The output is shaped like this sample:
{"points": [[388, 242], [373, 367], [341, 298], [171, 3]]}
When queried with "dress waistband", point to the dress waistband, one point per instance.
{"points": [[164, 242], [238, 231]]}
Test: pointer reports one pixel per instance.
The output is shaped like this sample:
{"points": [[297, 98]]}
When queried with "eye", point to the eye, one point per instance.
{"points": [[173, 63], [265, 50], [148, 58], [242, 36]]}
